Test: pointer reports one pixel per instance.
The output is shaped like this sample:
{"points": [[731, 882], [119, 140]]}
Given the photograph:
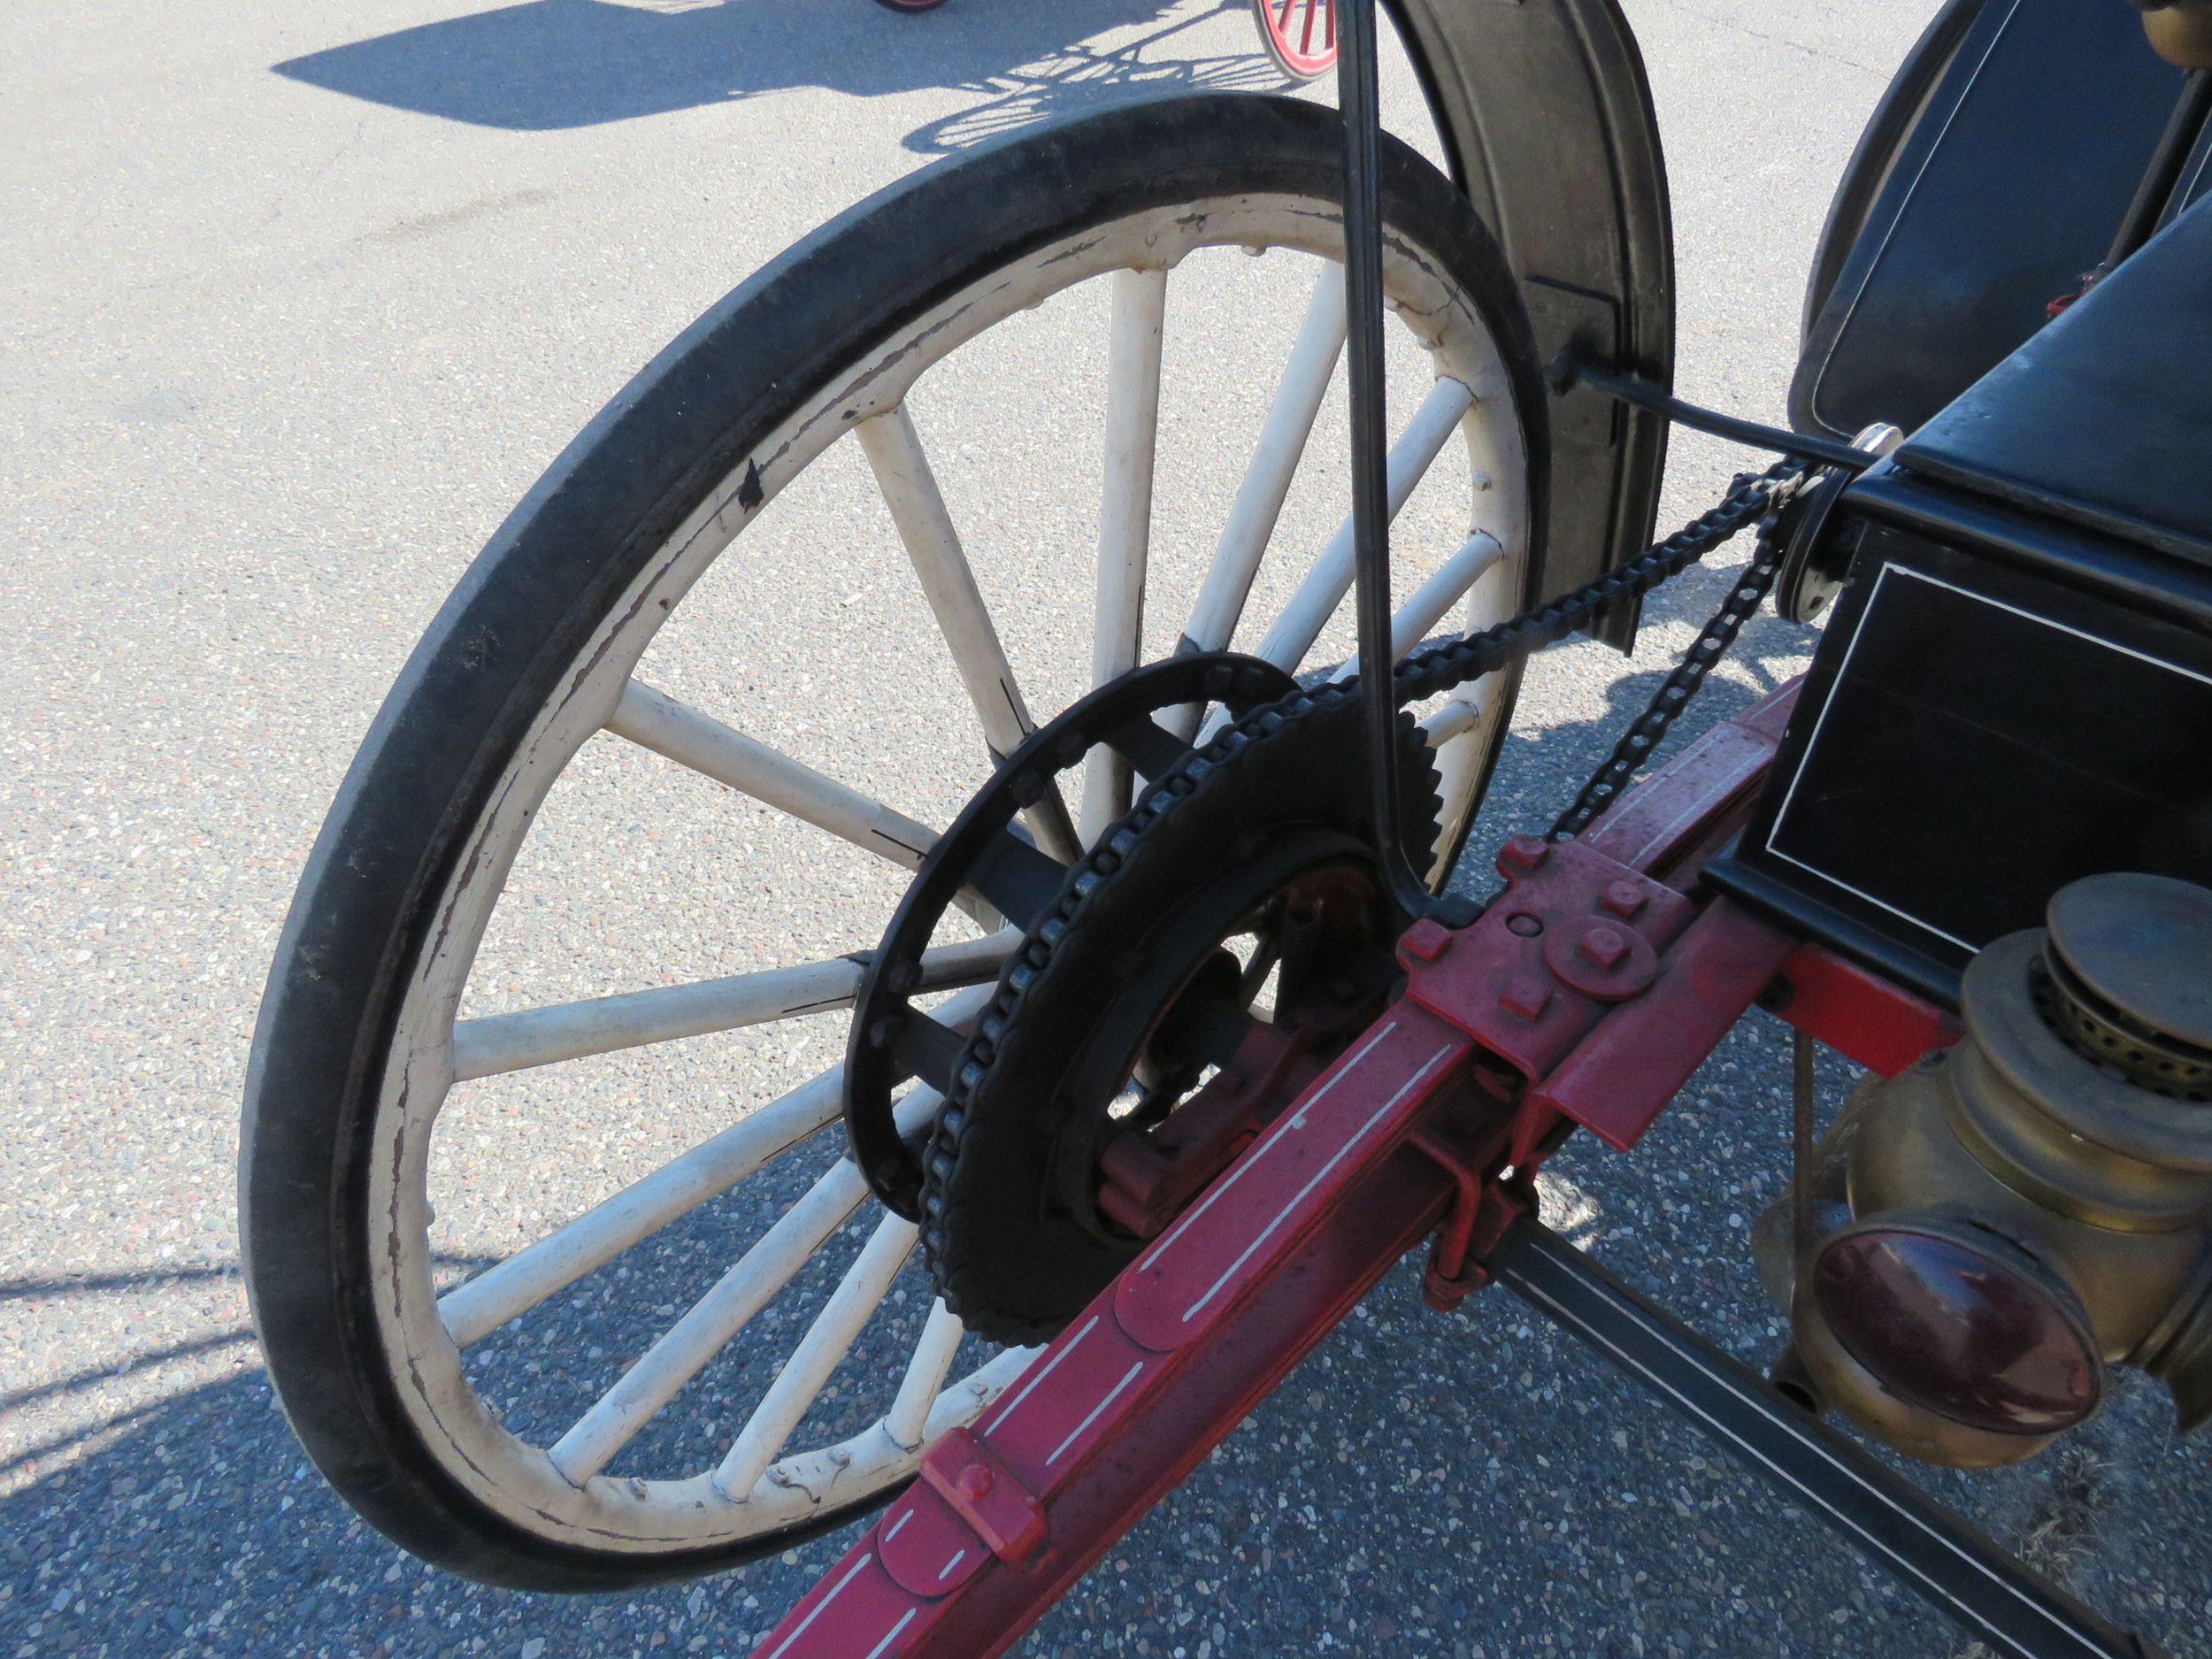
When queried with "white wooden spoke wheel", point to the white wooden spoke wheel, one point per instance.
{"points": [[560, 1272]]}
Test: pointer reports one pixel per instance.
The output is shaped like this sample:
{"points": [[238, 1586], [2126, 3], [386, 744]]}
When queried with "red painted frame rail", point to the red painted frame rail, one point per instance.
{"points": [[1155, 1373], [1586, 995]]}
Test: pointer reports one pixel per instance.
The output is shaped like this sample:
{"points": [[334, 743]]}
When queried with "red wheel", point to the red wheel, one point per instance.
{"points": [[1300, 35]]}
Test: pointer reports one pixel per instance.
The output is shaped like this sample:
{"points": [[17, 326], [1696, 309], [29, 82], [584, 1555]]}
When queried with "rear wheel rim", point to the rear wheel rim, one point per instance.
{"points": [[765, 1487]]}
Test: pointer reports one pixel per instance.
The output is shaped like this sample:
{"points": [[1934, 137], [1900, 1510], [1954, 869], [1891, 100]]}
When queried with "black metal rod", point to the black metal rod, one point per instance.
{"points": [[2168, 159], [1359, 95], [1570, 372], [1964, 1575]]}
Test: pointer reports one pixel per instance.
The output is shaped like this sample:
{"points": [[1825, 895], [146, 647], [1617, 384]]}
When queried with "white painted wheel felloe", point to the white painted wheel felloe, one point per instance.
{"points": [[696, 1352]]}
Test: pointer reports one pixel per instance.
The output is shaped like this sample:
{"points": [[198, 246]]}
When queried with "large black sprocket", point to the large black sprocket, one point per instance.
{"points": [[1014, 1246]]}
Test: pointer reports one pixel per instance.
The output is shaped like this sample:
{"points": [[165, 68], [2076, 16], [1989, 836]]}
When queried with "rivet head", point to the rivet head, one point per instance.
{"points": [[974, 1481], [1425, 940], [1524, 996], [1624, 899], [1524, 853], [1524, 926], [1601, 946]]}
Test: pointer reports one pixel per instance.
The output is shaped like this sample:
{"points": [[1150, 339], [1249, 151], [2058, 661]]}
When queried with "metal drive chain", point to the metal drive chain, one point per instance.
{"points": [[1650, 729], [1217, 762], [1453, 663]]}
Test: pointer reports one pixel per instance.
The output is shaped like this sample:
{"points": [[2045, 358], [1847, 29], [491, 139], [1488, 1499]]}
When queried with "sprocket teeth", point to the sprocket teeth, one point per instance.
{"points": [[1141, 840]]}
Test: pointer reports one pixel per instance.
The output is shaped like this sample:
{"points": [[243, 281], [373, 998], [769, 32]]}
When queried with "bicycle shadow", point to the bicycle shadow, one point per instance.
{"points": [[551, 66]]}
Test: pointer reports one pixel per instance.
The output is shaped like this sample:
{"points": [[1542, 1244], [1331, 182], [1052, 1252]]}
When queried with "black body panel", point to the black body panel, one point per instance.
{"points": [[1874, 158], [2105, 417], [1999, 706], [1983, 737], [2007, 188]]}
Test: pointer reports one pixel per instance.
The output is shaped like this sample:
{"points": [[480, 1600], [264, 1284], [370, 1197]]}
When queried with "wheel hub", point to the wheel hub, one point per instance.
{"points": [[1156, 1016]]}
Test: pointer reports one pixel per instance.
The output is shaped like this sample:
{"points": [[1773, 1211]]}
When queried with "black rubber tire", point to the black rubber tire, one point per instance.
{"points": [[512, 632]]}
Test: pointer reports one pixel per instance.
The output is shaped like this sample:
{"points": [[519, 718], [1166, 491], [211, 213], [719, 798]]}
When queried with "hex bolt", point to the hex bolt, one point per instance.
{"points": [[1624, 899], [1603, 946]]}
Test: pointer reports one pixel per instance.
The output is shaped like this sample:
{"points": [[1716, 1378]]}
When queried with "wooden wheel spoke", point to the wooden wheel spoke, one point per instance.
{"points": [[908, 1418], [498, 1043], [513, 1288], [1417, 617], [1258, 501], [1455, 718], [1476, 557], [526, 1278], [616, 1418], [819, 1466], [829, 1340], [1323, 590], [1125, 528], [893, 449], [705, 745]]}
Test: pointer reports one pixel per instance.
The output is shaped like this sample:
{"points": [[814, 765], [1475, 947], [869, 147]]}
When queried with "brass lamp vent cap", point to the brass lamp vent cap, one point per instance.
{"points": [[2126, 979]]}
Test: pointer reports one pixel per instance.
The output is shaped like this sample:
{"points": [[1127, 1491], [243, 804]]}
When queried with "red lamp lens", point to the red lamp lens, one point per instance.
{"points": [[1959, 1329]]}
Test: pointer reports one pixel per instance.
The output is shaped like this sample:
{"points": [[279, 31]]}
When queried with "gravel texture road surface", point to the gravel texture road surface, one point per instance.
{"points": [[300, 300]]}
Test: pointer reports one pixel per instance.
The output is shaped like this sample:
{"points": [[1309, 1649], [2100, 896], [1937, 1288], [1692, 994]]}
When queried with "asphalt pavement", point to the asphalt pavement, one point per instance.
{"points": [[300, 300]]}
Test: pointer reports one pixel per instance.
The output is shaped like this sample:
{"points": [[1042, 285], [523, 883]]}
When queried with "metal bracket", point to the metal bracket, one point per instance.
{"points": [[984, 1492]]}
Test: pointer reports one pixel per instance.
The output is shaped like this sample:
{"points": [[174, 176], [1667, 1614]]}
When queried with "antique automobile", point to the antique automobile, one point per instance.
{"points": [[1176, 1036]]}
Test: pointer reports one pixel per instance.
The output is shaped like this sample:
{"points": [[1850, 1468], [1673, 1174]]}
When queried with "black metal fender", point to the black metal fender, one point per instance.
{"points": [[1547, 118], [1992, 177]]}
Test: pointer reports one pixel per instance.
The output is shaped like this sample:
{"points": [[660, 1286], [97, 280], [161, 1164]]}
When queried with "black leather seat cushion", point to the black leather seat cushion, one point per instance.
{"points": [[2104, 417]]}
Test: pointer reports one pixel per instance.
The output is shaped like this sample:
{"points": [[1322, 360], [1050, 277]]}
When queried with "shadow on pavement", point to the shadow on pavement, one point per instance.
{"points": [[547, 66]]}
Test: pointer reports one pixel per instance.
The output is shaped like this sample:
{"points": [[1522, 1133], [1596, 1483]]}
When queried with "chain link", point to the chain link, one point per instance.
{"points": [[1225, 760], [1453, 663], [1650, 730]]}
